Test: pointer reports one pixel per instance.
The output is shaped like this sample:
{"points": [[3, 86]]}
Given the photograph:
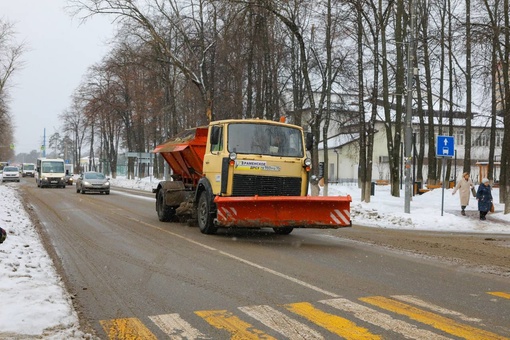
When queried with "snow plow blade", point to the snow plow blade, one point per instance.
{"points": [[284, 211]]}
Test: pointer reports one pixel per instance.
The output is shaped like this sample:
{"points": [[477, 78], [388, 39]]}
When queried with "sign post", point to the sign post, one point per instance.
{"points": [[445, 148]]}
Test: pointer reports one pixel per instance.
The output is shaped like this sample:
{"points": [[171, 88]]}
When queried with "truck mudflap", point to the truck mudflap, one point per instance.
{"points": [[284, 211]]}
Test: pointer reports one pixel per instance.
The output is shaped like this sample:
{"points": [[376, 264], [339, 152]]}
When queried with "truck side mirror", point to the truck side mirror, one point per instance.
{"points": [[308, 141]]}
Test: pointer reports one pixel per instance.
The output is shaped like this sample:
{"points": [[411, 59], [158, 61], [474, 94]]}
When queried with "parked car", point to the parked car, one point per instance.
{"points": [[92, 181], [11, 173]]}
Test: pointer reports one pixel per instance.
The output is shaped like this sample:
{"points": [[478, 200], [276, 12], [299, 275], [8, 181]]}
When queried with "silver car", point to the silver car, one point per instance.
{"points": [[11, 173], [92, 181]]}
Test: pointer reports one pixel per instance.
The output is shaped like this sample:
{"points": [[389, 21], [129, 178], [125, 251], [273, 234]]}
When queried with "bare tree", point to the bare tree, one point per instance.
{"points": [[10, 60], [467, 148], [505, 157], [76, 125], [150, 23]]}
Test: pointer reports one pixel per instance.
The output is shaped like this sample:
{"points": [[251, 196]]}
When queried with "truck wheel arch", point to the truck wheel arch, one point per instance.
{"points": [[203, 185]]}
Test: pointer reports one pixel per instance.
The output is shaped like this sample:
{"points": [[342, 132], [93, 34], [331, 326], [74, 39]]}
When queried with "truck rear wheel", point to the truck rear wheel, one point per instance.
{"points": [[165, 212], [205, 220]]}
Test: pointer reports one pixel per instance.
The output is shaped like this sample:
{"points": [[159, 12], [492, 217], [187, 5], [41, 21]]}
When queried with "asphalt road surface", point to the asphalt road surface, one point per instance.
{"points": [[135, 277]]}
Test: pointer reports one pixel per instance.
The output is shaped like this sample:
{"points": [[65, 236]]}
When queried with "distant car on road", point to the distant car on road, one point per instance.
{"points": [[11, 173], [92, 181]]}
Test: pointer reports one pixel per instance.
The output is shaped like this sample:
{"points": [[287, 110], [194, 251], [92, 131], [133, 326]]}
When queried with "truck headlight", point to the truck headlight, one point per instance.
{"points": [[232, 156], [307, 163]]}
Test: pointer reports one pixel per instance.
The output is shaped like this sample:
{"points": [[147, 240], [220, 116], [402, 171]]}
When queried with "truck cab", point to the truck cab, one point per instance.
{"points": [[255, 157]]}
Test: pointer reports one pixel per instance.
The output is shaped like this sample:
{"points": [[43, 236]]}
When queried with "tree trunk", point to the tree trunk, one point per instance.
{"points": [[467, 149]]}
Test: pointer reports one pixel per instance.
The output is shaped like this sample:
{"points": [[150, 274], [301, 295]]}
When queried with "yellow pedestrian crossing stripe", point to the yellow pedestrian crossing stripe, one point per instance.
{"points": [[383, 320], [128, 329], [437, 321], [237, 328], [403, 315], [501, 294], [335, 324]]}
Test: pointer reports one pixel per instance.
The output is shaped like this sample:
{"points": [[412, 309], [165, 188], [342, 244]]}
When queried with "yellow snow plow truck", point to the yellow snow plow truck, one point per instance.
{"points": [[245, 173]]}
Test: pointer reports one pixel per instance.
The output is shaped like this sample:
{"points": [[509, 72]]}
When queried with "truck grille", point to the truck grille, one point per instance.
{"points": [[248, 185]]}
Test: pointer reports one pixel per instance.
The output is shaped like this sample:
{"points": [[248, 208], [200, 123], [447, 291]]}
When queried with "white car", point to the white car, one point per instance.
{"points": [[11, 173]]}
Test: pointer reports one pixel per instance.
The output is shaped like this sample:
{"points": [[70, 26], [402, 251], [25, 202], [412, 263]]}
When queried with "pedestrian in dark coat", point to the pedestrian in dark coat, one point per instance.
{"points": [[484, 197]]}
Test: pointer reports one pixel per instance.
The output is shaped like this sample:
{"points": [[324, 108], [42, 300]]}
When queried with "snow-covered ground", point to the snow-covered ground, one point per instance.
{"points": [[34, 302]]}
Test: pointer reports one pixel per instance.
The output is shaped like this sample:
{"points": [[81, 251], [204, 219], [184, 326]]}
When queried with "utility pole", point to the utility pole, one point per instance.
{"points": [[408, 127], [44, 144]]}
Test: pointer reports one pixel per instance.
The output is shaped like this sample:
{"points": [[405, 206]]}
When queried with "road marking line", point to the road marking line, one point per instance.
{"points": [[437, 321], [126, 329], [382, 320], [333, 323], [238, 329], [267, 270], [281, 323], [436, 309], [176, 327], [500, 294]]}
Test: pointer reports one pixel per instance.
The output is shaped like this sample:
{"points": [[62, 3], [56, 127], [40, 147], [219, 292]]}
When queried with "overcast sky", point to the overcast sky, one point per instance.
{"points": [[59, 51]]}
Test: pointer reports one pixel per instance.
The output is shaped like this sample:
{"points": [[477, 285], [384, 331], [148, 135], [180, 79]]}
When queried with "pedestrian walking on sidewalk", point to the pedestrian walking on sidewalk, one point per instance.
{"points": [[464, 186], [484, 197]]}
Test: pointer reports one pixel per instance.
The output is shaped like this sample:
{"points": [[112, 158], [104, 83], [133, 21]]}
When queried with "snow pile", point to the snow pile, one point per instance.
{"points": [[34, 300]]}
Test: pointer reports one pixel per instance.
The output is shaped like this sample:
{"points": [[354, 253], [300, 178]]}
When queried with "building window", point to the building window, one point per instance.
{"points": [[459, 137], [499, 139], [384, 159], [482, 139]]}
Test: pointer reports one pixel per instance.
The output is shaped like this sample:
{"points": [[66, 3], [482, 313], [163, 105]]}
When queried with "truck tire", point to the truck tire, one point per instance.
{"points": [[283, 230], [165, 212], [205, 220]]}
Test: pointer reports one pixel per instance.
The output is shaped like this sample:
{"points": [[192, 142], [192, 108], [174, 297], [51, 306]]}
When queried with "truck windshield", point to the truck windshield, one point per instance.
{"points": [[28, 167], [265, 139], [53, 167]]}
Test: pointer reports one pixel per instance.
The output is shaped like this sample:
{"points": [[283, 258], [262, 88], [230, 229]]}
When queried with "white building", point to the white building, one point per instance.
{"points": [[343, 153]]}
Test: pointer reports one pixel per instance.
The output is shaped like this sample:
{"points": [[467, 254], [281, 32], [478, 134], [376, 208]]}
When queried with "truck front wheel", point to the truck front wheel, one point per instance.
{"points": [[205, 220], [165, 212]]}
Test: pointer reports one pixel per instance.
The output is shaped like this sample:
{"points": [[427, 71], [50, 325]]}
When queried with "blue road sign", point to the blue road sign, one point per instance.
{"points": [[445, 146]]}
